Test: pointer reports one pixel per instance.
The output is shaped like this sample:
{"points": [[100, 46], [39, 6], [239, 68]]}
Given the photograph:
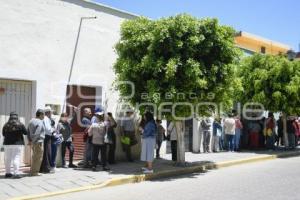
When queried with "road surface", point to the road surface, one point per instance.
{"points": [[270, 180]]}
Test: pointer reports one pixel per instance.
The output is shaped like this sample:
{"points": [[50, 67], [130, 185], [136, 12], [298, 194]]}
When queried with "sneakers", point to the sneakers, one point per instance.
{"points": [[144, 168], [35, 174], [17, 176], [9, 175], [148, 171], [52, 170]]}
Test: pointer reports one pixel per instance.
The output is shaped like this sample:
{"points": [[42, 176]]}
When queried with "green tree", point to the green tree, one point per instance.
{"points": [[177, 55], [273, 81]]}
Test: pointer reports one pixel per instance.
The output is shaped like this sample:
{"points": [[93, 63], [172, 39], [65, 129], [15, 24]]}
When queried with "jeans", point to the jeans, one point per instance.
{"points": [[174, 150], [64, 146], [96, 149], [53, 155], [206, 140], [230, 140], [270, 142], [45, 167], [237, 138], [221, 142], [88, 151], [12, 156]]}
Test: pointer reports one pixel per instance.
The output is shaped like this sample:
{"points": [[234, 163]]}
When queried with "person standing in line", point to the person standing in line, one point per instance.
{"points": [[45, 167], [238, 132], [206, 125], [173, 138], [97, 131], [291, 131], [56, 140], [95, 117], [127, 129], [222, 138], [148, 143], [269, 131], [297, 130], [13, 132], [36, 136], [160, 137], [229, 128], [111, 124], [217, 133], [279, 138], [88, 148], [64, 128]]}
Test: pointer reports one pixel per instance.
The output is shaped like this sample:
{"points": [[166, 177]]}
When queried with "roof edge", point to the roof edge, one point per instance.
{"points": [[103, 7], [256, 37]]}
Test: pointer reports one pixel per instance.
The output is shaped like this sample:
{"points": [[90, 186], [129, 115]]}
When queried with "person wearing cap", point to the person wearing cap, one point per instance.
{"points": [[36, 136], [88, 149], [45, 167], [13, 132], [64, 128], [95, 119], [97, 131]]}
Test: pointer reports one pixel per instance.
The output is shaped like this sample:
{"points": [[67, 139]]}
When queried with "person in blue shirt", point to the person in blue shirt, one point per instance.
{"points": [[148, 142]]}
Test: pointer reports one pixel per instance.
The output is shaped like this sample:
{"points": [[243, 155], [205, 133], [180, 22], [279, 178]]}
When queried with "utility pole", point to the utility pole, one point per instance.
{"points": [[73, 57]]}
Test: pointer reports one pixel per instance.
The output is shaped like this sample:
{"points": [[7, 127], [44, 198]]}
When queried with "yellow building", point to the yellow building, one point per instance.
{"points": [[251, 44]]}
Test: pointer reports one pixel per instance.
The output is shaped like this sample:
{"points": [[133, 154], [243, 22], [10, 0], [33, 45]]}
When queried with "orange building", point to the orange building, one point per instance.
{"points": [[251, 44]]}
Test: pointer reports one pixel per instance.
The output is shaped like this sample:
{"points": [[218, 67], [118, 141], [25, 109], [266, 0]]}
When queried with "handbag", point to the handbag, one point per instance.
{"points": [[58, 138], [107, 139], [125, 140]]}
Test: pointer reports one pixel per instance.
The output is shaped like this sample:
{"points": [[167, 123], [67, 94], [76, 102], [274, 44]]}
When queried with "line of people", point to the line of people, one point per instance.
{"points": [[44, 137]]}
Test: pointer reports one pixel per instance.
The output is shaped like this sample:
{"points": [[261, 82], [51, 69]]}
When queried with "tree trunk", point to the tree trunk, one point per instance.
{"points": [[285, 134], [179, 125]]}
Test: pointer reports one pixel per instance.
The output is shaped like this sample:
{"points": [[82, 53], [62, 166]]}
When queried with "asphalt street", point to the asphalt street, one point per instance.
{"points": [[269, 180]]}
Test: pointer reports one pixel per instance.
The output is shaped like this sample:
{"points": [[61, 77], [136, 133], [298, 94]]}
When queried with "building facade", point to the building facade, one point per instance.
{"points": [[251, 44], [37, 41]]}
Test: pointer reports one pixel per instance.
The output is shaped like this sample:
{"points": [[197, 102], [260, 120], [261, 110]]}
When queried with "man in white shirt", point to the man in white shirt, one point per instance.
{"points": [[229, 130]]}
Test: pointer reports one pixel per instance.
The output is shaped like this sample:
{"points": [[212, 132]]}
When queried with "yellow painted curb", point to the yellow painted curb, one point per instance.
{"points": [[158, 175]]}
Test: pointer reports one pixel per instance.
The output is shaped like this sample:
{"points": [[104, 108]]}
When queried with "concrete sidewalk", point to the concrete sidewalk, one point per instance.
{"points": [[72, 180]]}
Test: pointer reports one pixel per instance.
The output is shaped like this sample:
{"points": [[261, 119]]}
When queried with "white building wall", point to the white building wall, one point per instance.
{"points": [[37, 39]]}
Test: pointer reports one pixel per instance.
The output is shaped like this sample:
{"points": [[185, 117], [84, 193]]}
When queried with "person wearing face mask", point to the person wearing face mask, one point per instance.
{"points": [[13, 132]]}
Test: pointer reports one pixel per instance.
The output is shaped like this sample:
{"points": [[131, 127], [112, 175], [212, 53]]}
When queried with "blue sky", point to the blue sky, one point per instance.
{"points": [[278, 20]]}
